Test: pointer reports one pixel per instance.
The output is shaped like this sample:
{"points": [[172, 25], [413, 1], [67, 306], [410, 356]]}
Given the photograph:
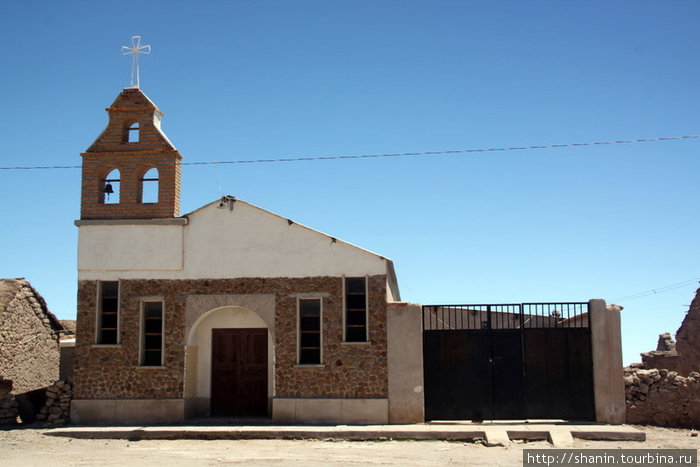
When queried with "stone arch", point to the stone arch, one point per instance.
{"points": [[204, 313]]}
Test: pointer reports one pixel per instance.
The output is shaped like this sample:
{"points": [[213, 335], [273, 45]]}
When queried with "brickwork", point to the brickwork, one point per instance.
{"points": [[348, 370], [29, 334], [113, 150]]}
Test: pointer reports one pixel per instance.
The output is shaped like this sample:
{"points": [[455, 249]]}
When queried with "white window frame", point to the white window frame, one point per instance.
{"points": [[98, 313], [142, 330], [345, 310], [320, 326]]}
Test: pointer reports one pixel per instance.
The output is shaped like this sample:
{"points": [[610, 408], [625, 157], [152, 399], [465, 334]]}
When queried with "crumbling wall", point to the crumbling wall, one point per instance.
{"points": [[665, 355], [29, 349], [662, 397], [664, 389], [688, 339]]}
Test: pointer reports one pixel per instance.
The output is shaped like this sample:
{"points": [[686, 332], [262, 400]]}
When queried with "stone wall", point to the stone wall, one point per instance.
{"points": [[8, 404], [348, 370], [662, 397], [29, 334], [665, 388], [665, 355], [688, 339], [56, 409]]}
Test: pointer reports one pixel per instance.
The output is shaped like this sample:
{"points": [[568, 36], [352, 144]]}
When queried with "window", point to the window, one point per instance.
{"points": [[149, 186], [108, 313], [152, 333], [110, 188], [309, 331], [130, 134], [355, 309]]}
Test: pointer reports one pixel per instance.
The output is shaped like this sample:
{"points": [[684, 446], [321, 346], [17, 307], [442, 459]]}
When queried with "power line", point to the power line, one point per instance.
{"points": [[656, 291], [401, 154]]}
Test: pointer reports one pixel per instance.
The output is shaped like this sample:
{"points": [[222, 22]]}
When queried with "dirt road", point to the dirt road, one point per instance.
{"points": [[30, 447]]}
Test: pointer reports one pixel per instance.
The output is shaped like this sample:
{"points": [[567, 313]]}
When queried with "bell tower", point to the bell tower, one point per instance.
{"points": [[132, 170]]}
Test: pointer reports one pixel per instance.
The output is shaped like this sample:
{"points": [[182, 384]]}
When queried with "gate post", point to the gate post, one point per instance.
{"points": [[405, 362], [606, 349]]}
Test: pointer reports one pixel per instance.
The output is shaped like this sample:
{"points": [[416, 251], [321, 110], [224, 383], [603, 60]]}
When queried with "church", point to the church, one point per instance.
{"points": [[229, 310]]}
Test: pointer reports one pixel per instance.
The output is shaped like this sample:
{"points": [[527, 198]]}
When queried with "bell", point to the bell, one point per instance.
{"points": [[108, 188]]}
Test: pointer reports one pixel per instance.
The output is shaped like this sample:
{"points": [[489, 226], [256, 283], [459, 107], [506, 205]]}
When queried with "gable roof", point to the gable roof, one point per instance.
{"points": [[316, 241], [9, 290], [230, 201]]}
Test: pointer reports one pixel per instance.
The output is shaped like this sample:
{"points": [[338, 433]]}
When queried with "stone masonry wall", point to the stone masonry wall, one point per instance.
{"points": [[662, 397], [29, 348], [665, 388], [348, 370], [688, 339]]}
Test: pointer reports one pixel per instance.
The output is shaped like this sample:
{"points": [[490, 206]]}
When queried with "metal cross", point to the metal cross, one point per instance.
{"points": [[135, 49]]}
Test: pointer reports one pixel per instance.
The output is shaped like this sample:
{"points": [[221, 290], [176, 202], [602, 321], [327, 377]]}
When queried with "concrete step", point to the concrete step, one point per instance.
{"points": [[560, 435]]}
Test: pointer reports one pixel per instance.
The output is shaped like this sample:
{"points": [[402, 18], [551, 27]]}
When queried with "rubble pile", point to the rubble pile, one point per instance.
{"points": [[56, 410], [8, 404]]}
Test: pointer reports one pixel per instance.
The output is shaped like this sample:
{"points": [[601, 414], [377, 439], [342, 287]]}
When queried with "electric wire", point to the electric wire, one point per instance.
{"points": [[401, 154], [656, 291]]}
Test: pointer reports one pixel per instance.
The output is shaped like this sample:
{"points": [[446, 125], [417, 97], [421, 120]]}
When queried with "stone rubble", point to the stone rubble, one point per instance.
{"points": [[8, 404], [56, 410], [662, 397]]}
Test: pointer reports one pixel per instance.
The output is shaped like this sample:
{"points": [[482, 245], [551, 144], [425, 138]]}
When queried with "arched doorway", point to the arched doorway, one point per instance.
{"points": [[231, 346]]}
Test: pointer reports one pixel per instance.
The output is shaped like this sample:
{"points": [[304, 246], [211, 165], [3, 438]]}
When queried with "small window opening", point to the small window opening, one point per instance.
{"points": [[131, 133], [108, 313], [152, 334], [310, 331], [110, 188], [149, 186], [355, 309]]}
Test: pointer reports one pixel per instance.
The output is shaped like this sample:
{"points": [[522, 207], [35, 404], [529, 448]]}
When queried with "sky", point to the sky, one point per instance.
{"points": [[250, 80]]}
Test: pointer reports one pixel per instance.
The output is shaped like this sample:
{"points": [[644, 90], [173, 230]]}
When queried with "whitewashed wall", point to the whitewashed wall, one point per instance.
{"points": [[218, 243]]}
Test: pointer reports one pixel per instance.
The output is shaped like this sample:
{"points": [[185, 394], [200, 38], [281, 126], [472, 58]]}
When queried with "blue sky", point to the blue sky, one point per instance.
{"points": [[241, 80]]}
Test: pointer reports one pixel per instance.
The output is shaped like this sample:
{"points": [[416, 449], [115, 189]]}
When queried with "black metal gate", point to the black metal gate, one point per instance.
{"points": [[514, 361]]}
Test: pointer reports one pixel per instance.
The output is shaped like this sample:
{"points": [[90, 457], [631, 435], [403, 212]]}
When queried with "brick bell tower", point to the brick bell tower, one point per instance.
{"points": [[132, 158]]}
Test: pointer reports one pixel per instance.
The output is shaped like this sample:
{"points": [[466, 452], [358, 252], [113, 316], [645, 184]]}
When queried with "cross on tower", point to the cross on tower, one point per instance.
{"points": [[135, 49]]}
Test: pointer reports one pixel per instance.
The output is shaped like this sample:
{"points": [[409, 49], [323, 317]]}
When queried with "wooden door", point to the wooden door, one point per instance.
{"points": [[239, 372]]}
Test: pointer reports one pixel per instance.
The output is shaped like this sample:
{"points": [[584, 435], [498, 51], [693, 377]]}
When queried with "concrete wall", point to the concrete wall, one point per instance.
{"points": [[126, 411], [405, 357], [120, 248], [608, 379], [330, 411], [218, 243]]}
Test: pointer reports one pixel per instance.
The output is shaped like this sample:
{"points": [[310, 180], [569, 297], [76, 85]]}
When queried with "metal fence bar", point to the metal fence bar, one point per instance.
{"points": [[506, 316]]}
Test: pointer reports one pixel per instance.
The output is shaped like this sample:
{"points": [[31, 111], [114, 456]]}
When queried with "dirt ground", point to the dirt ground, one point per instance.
{"points": [[31, 447]]}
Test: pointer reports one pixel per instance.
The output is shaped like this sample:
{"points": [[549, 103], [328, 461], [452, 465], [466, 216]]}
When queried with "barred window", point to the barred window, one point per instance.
{"points": [[152, 333], [355, 309], [108, 313], [309, 331]]}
